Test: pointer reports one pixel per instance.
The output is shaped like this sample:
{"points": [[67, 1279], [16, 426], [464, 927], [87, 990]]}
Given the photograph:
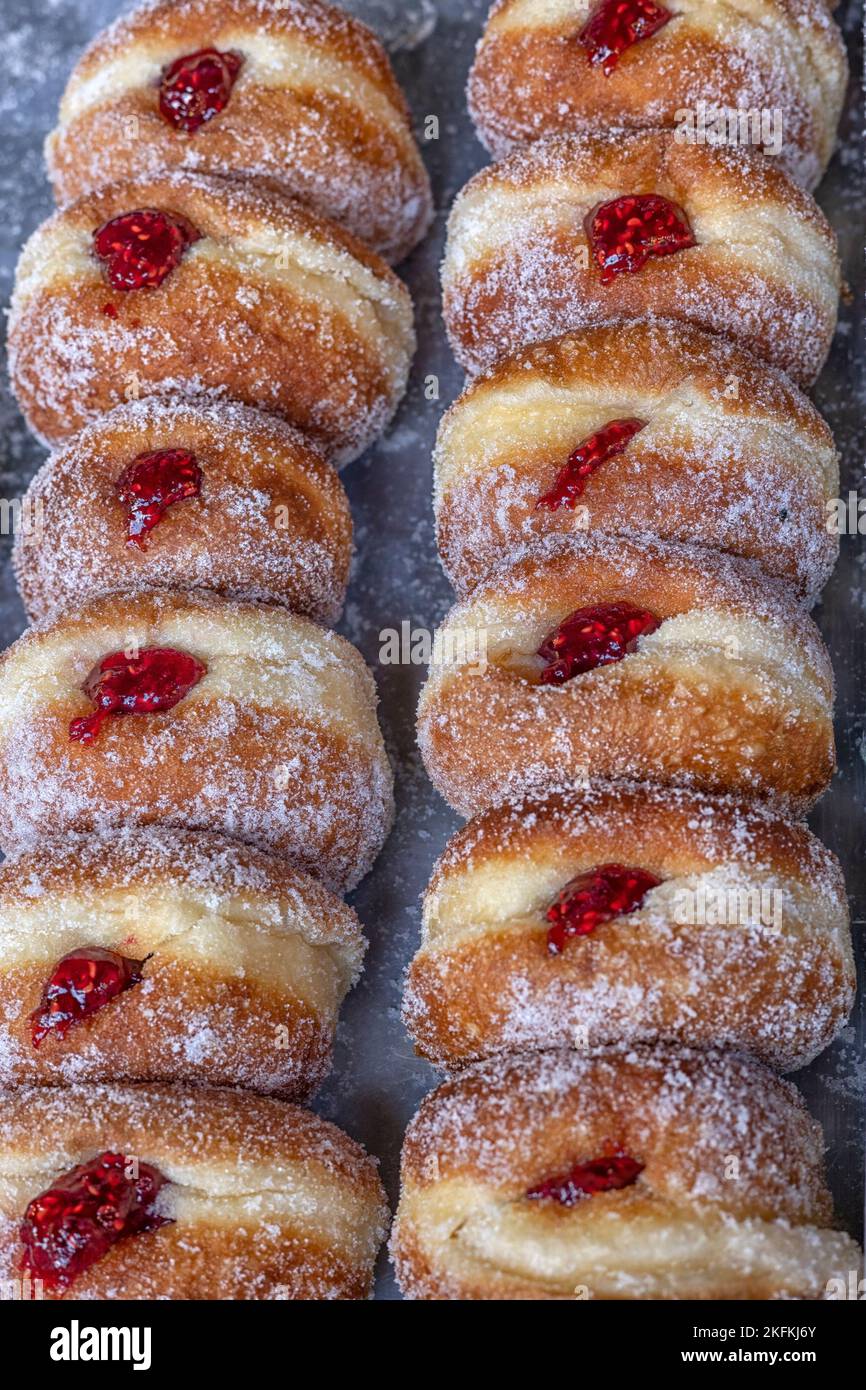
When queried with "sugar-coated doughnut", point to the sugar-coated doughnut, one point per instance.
{"points": [[567, 67], [162, 955], [590, 657], [628, 915], [189, 285], [179, 495], [298, 94], [642, 1174], [222, 1195], [193, 712], [546, 242], [637, 428]]}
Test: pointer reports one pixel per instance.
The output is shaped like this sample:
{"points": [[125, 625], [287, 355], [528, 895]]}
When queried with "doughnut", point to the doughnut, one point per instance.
{"points": [[296, 94], [195, 713], [162, 955], [698, 440], [221, 1195], [178, 495], [642, 1174], [565, 68], [187, 285], [632, 914], [595, 658], [545, 242]]}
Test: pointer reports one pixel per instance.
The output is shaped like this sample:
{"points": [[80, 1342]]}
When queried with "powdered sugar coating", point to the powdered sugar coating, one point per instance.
{"points": [[490, 1121], [278, 744], [531, 78], [399, 575], [272, 306], [212, 868], [730, 1203], [733, 692], [271, 522], [764, 269], [267, 1201], [246, 961], [744, 943], [729, 455], [315, 111]]}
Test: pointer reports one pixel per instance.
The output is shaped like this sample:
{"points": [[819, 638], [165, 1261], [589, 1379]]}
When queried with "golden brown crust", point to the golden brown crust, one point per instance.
{"points": [[271, 521], [731, 455], [745, 943], [315, 111], [733, 692], [273, 307], [194, 1024], [320, 24], [764, 271], [267, 1200], [517, 1143], [730, 1201], [531, 78], [246, 962], [277, 745]]}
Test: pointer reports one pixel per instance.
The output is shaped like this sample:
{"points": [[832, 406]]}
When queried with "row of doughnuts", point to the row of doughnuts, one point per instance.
{"points": [[193, 770], [629, 700]]}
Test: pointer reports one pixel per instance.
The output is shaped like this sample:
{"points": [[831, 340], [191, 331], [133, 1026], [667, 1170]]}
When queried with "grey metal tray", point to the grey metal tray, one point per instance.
{"points": [[377, 1081]]}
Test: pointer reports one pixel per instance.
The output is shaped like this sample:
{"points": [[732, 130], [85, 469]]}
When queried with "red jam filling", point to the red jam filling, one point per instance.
{"points": [[80, 985], [67, 1228], [151, 484], [196, 87], [139, 249], [593, 898], [615, 25], [591, 637], [154, 680], [626, 232], [586, 459], [605, 1174]]}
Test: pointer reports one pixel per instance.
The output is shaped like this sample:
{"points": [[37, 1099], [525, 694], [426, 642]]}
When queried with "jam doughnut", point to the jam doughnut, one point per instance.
{"points": [[161, 955], [641, 428], [188, 285], [647, 1174], [193, 712], [591, 657], [631, 914], [220, 1194], [571, 233], [179, 495], [598, 64], [298, 94]]}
